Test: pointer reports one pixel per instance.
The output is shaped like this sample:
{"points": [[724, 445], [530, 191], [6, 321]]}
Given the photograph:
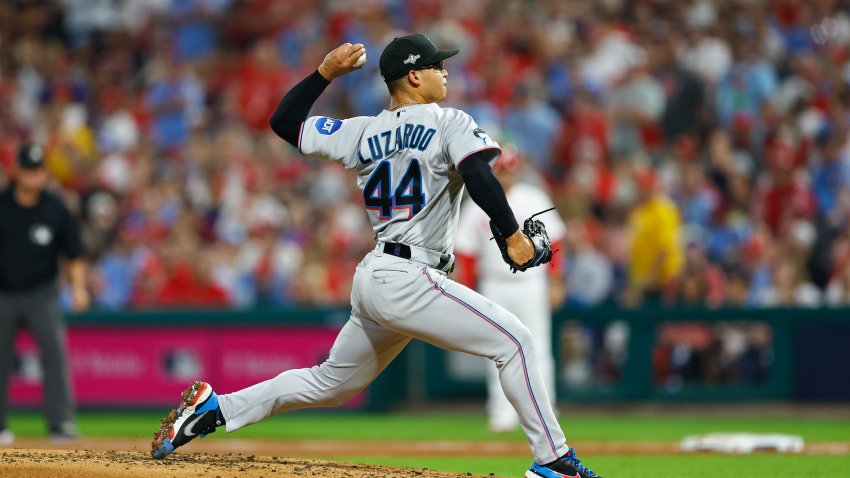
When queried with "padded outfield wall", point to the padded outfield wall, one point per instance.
{"points": [[141, 359]]}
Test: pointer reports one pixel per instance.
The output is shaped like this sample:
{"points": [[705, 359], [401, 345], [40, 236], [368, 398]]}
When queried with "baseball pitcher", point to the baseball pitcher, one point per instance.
{"points": [[412, 162]]}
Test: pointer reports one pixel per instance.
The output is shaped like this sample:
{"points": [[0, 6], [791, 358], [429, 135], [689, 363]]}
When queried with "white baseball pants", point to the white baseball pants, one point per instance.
{"points": [[394, 300]]}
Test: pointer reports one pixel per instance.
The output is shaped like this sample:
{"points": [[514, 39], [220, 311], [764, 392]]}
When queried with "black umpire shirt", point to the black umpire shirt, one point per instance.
{"points": [[32, 239]]}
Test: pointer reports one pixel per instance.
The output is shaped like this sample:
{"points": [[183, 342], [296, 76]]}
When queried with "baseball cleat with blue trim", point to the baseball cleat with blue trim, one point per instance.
{"points": [[568, 466], [197, 415]]}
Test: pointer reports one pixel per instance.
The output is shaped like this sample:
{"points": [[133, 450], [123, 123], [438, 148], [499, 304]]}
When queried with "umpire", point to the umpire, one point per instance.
{"points": [[35, 229]]}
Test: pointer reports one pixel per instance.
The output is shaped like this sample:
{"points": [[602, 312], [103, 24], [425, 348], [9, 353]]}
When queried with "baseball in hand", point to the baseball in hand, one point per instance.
{"points": [[360, 61]]}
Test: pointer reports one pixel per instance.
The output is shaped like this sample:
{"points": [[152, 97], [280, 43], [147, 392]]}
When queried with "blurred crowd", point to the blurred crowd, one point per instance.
{"points": [[684, 353], [716, 354], [697, 149]]}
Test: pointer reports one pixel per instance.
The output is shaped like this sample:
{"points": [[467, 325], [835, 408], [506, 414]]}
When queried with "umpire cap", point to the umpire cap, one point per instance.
{"points": [[30, 156], [412, 52]]}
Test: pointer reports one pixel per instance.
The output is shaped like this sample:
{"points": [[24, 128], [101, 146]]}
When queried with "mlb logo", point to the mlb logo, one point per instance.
{"points": [[327, 126]]}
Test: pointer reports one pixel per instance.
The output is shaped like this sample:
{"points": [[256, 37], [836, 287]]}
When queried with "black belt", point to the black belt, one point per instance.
{"points": [[397, 249], [403, 250]]}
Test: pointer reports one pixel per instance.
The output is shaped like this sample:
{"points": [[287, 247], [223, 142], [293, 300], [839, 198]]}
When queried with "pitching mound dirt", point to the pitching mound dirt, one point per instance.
{"points": [[100, 458], [108, 464]]}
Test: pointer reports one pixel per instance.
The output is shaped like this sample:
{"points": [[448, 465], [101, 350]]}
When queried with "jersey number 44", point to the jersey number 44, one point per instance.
{"points": [[379, 194]]}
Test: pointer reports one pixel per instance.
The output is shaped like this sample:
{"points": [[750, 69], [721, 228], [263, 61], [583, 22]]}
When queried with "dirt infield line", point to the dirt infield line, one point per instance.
{"points": [[321, 448], [226, 458], [112, 464]]}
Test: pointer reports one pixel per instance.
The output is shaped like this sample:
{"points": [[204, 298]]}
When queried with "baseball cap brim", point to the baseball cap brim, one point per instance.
{"points": [[442, 55], [30, 166]]}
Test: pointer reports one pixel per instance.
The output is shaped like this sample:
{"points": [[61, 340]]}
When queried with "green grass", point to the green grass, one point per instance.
{"points": [[432, 426], [472, 427], [660, 466]]}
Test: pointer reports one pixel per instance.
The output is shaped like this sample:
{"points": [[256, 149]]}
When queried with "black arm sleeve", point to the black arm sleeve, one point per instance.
{"points": [[486, 190], [295, 106]]}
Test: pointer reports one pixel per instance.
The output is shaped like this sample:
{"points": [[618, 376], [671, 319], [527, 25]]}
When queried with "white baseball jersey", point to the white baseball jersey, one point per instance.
{"points": [[473, 236], [406, 163]]}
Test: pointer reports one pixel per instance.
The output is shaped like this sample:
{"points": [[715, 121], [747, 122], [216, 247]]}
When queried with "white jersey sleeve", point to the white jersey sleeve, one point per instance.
{"points": [[462, 137], [332, 139]]}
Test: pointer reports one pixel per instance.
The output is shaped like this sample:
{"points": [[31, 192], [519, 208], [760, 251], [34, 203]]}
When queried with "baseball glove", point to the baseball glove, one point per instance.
{"points": [[536, 231]]}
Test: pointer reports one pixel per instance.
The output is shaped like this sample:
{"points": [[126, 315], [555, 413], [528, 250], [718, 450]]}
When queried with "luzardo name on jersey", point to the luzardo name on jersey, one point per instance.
{"points": [[410, 136]]}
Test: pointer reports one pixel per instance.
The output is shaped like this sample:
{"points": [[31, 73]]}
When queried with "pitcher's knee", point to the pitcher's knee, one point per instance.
{"points": [[518, 342], [523, 335], [335, 389], [341, 398], [334, 396]]}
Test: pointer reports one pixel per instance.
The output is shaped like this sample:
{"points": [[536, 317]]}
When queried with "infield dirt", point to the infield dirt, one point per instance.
{"points": [[21, 463], [106, 458]]}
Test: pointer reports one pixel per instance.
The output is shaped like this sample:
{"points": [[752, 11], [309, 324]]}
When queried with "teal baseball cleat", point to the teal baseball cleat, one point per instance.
{"points": [[568, 466]]}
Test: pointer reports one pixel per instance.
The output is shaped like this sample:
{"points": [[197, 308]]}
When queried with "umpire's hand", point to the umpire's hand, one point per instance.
{"points": [[341, 60]]}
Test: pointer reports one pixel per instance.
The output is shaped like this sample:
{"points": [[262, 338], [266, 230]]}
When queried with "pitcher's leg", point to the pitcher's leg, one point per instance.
{"points": [[361, 351], [455, 317]]}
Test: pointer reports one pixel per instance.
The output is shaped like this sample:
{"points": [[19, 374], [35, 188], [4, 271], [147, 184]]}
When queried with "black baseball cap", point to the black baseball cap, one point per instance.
{"points": [[409, 53], [30, 156]]}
